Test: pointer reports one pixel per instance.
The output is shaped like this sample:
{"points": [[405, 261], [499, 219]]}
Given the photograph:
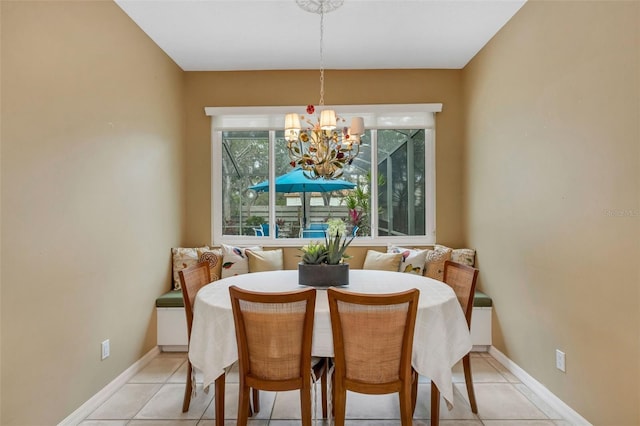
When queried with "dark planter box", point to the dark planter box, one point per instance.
{"points": [[323, 275]]}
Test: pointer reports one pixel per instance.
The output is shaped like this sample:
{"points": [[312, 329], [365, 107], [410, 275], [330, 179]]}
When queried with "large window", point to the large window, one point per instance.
{"points": [[386, 194]]}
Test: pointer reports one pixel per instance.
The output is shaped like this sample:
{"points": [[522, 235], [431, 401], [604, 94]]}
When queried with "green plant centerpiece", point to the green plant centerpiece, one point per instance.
{"points": [[323, 263]]}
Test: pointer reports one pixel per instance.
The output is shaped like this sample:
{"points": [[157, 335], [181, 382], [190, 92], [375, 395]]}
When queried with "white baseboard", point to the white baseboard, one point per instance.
{"points": [[480, 348], [105, 393], [568, 413], [174, 348]]}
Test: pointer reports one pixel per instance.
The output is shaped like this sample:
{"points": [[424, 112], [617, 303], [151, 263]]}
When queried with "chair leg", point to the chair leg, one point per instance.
{"points": [[243, 405], [406, 404], [414, 390], [187, 389], [220, 400], [466, 364], [305, 405], [435, 405], [256, 401], [339, 405]]}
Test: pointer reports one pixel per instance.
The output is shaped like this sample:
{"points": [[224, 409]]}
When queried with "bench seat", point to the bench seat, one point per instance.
{"points": [[172, 323], [173, 299]]}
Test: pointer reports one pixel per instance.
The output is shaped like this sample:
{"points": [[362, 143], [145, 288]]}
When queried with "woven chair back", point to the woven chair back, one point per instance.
{"points": [[462, 279], [274, 333], [192, 279], [373, 334]]}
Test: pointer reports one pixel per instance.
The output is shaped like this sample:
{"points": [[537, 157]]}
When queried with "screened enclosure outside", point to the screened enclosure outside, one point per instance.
{"points": [[303, 212], [401, 193]]}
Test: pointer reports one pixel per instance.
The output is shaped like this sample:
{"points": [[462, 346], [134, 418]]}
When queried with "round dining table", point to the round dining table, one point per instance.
{"points": [[441, 336]]}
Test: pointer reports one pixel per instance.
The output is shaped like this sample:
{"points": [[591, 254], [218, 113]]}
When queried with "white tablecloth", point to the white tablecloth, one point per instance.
{"points": [[441, 335]]}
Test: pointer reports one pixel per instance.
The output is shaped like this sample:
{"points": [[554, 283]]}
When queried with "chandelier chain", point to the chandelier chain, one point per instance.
{"points": [[321, 103], [324, 149]]}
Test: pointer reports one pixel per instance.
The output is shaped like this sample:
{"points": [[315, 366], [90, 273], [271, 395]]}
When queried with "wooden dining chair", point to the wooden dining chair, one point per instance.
{"points": [[274, 333], [373, 341], [462, 279], [192, 279]]}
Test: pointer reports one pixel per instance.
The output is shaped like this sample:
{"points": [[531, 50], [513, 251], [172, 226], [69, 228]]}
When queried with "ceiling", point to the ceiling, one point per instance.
{"points": [[224, 35]]}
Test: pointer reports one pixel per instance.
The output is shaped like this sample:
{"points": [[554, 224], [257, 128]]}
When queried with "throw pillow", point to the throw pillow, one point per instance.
{"points": [[183, 258], [267, 260], [382, 261], [234, 260], [412, 260], [434, 267], [464, 255], [214, 258]]}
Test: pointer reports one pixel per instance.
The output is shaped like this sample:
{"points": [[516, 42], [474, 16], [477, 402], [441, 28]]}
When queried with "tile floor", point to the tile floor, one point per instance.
{"points": [[154, 397]]}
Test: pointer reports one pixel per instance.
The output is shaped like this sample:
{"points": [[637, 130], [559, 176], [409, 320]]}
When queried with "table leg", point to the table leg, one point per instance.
{"points": [[220, 400], [435, 405]]}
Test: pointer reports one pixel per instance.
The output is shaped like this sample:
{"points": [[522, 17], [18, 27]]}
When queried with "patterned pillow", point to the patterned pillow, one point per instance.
{"points": [[183, 258], [382, 261], [214, 257], [412, 260], [234, 260], [464, 255], [434, 267], [267, 260]]}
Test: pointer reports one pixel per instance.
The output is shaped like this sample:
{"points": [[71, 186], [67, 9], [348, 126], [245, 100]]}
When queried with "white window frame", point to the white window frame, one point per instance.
{"points": [[392, 116]]}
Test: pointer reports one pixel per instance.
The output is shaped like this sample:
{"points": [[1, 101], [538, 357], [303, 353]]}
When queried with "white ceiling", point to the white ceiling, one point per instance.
{"points": [[222, 35]]}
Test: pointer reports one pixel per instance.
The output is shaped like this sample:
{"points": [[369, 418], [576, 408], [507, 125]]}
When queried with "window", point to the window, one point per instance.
{"points": [[386, 195]]}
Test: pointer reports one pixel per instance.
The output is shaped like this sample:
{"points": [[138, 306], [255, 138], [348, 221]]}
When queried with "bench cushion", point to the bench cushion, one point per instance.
{"points": [[481, 300], [173, 299]]}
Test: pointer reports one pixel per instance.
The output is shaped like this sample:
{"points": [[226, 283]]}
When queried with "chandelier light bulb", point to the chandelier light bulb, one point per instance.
{"points": [[357, 126], [292, 122], [328, 119], [291, 127]]}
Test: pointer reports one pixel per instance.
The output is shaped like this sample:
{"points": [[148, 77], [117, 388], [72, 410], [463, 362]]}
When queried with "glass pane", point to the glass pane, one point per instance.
{"points": [[383, 197], [306, 207], [358, 200], [401, 189], [245, 162], [288, 204]]}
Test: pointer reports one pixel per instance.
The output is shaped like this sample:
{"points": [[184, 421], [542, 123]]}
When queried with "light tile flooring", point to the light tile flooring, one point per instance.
{"points": [[154, 397]]}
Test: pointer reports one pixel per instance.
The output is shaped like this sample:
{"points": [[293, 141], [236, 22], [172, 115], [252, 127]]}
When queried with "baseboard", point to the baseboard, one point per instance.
{"points": [[480, 348], [568, 413], [99, 398], [174, 348]]}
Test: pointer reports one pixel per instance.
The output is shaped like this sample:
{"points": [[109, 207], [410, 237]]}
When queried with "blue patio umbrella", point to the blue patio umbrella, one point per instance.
{"points": [[296, 181]]}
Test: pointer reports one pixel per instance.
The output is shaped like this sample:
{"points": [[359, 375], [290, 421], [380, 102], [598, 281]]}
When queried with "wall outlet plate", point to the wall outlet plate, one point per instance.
{"points": [[560, 360], [105, 349]]}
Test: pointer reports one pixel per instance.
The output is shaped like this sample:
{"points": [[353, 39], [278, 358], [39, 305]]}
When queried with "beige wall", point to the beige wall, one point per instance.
{"points": [[342, 87], [552, 150], [536, 144], [91, 172]]}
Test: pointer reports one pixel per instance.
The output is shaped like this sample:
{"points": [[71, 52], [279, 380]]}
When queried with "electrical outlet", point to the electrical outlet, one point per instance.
{"points": [[105, 349], [560, 360]]}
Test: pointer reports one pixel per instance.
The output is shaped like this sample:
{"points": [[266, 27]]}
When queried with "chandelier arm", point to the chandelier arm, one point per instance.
{"points": [[353, 156]]}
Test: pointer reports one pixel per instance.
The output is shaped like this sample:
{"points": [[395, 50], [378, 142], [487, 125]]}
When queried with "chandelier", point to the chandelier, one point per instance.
{"points": [[323, 147]]}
